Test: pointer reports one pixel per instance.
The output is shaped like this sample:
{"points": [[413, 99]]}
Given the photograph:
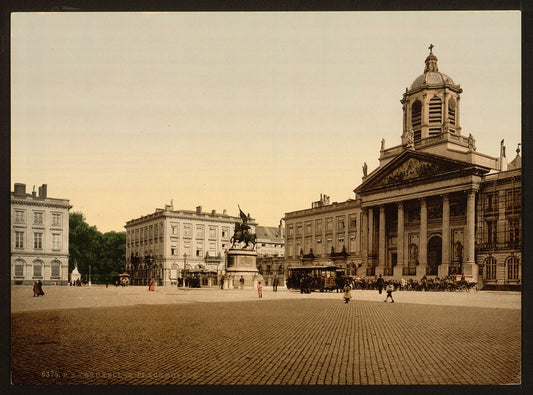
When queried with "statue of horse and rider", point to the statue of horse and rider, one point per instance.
{"points": [[242, 233]]}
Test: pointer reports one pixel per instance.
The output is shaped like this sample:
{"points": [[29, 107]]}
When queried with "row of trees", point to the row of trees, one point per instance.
{"points": [[104, 252]]}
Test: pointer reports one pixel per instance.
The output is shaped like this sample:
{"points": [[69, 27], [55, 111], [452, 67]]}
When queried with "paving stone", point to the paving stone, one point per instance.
{"points": [[296, 340]]}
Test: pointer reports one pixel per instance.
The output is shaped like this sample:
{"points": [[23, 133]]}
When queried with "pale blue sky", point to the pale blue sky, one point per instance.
{"points": [[122, 112]]}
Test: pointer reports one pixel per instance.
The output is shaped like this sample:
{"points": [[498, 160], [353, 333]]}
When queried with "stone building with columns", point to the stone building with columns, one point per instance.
{"points": [[434, 206]]}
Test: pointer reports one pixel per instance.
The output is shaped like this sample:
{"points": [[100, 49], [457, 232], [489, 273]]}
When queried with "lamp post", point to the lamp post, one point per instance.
{"points": [[183, 272]]}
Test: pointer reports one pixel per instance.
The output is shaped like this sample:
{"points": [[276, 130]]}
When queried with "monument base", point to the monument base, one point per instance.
{"points": [[241, 269]]}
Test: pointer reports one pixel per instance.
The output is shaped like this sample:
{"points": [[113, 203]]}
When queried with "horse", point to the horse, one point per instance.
{"points": [[240, 236]]}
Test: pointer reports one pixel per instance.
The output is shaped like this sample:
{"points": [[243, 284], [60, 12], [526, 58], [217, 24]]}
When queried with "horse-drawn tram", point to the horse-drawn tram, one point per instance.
{"points": [[313, 278]]}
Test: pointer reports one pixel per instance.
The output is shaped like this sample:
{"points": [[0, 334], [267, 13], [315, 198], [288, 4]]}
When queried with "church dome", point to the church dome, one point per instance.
{"points": [[432, 76]]}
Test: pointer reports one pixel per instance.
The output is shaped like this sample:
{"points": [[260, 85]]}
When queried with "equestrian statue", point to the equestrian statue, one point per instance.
{"points": [[242, 233]]}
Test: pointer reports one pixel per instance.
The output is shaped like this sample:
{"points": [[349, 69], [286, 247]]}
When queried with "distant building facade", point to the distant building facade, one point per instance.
{"points": [[39, 237], [270, 250], [433, 207], [162, 244]]}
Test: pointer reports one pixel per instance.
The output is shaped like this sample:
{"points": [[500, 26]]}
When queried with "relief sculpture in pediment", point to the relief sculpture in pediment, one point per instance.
{"points": [[411, 169]]}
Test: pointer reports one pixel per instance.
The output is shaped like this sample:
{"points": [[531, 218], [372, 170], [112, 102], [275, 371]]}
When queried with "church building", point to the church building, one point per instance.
{"points": [[434, 206]]}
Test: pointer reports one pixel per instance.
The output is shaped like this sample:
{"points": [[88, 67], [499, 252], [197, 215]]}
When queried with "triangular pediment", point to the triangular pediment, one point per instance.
{"points": [[412, 167]]}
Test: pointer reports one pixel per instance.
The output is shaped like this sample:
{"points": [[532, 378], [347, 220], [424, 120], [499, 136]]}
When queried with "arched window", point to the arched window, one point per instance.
{"points": [[37, 269], [435, 115], [451, 115], [54, 267], [490, 268], [513, 268], [416, 119], [19, 268]]}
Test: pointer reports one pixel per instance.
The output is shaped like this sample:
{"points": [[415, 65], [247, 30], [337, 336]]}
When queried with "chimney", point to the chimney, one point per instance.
{"points": [[20, 189], [224, 212], [42, 191], [33, 193], [198, 209], [213, 212]]}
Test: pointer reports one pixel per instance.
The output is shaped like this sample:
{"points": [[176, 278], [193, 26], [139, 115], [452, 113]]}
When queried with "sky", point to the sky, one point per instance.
{"points": [[122, 113]]}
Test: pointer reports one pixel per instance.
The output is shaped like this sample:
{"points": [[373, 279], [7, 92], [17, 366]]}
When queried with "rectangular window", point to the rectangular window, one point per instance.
{"points": [[329, 224], [290, 230], [353, 221], [56, 219], [199, 231], [37, 270], [298, 230], [340, 223], [212, 232], [225, 232], [318, 226], [20, 216], [37, 217], [56, 242], [187, 230], [308, 228], [38, 241], [19, 239]]}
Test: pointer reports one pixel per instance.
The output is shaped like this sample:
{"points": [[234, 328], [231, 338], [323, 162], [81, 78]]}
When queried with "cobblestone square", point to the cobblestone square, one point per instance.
{"points": [[130, 336]]}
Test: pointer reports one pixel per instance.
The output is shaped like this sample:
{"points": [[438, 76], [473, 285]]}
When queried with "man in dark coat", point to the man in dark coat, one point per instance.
{"points": [[381, 284], [40, 287]]}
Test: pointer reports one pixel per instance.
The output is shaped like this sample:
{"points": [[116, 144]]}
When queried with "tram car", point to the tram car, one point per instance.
{"points": [[315, 278]]}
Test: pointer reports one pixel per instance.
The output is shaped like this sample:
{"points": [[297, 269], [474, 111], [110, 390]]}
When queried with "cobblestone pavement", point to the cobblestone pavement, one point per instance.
{"points": [[297, 339]]}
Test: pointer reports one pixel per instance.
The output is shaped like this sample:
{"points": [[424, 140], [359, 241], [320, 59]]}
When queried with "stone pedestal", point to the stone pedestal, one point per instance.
{"points": [[420, 271], [443, 270], [471, 272], [242, 264]]}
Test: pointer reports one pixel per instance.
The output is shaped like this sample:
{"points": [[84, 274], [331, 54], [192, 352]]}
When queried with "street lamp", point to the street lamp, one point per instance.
{"points": [[183, 271]]}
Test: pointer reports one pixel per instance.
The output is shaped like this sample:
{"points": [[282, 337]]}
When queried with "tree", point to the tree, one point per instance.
{"points": [[104, 253]]}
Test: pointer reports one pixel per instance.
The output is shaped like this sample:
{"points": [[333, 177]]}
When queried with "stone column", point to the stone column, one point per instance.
{"points": [[423, 247], [398, 270], [470, 267], [370, 235], [382, 240], [364, 238], [470, 227], [443, 269]]}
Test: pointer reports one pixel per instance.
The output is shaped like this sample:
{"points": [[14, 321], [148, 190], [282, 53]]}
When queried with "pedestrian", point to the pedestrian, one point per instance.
{"points": [[275, 284], [222, 282], [347, 293], [40, 287], [151, 287], [389, 289], [106, 282], [241, 281], [260, 290], [381, 284], [35, 289]]}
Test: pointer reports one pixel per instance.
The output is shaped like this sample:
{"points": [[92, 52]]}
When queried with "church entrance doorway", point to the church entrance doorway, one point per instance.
{"points": [[434, 255]]}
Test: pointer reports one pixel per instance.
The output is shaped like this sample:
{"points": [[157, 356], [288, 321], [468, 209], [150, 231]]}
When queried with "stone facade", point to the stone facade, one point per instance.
{"points": [[423, 211], [160, 245], [39, 237]]}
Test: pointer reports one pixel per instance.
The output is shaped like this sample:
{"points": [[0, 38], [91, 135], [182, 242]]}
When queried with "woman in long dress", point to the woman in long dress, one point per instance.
{"points": [[152, 285]]}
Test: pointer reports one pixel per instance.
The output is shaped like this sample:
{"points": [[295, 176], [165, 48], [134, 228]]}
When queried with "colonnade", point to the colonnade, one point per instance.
{"points": [[383, 259]]}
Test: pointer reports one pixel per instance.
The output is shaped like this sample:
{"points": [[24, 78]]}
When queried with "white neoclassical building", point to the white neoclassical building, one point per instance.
{"points": [[162, 244], [39, 237]]}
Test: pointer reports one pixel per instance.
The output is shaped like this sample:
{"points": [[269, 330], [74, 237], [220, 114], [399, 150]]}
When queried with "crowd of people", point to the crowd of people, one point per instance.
{"points": [[448, 283]]}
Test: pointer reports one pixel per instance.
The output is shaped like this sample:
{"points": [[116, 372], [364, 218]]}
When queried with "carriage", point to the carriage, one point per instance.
{"points": [[315, 278]]}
